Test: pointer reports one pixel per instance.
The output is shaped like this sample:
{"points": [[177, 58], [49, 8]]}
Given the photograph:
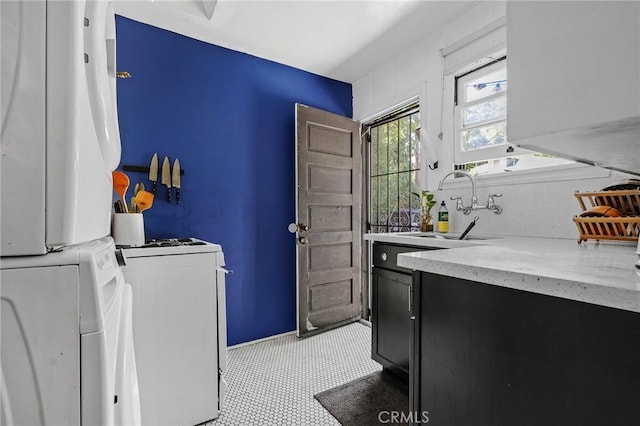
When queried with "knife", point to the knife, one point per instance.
{"points": [[166, 176], [471, 225], [153, 172], [175, 177]]}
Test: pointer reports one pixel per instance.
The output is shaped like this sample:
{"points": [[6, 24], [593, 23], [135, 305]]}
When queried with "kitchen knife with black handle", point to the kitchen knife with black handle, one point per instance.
{"points": [[175, 177], [166, 176], [471, 225], [153, 172], [118, 207]]}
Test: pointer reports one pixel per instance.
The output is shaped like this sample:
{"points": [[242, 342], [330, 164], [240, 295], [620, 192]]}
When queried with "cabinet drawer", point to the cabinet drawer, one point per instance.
{"points": [[386, 255]]}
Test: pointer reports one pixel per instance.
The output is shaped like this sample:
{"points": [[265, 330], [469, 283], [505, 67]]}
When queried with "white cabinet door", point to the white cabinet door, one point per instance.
{"points": [[571, 65]]}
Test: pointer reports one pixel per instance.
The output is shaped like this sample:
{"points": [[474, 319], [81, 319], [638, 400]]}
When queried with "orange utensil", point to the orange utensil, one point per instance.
{"points": [[121, 184], [144, 200]]}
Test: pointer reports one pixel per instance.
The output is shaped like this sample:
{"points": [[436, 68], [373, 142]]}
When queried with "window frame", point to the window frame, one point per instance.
{"points": [[461, 156]]}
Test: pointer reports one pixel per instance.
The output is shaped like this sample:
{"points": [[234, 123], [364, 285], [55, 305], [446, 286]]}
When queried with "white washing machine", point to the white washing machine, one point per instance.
{"points": [[66, 342]]}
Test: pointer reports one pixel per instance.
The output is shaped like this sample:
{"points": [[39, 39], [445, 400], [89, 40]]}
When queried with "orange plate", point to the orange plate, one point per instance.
{"points": [[601, 211]]}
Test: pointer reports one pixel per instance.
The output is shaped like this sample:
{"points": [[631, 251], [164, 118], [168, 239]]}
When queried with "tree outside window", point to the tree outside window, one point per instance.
{"points": [[394, 172]]}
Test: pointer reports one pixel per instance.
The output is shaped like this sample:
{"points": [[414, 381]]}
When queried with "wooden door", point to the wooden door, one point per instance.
{"points": [[328, 215]]}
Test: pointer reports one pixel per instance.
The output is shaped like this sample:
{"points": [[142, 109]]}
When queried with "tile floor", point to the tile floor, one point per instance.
{"points": [[273, 382]]}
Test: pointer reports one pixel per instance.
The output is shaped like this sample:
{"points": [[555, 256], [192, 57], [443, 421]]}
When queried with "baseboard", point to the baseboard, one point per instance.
{"points": [[365, 322], [275, 336]]}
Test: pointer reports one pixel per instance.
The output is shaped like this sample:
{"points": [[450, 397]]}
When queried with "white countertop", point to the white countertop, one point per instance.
{"points": [[602, 274]]}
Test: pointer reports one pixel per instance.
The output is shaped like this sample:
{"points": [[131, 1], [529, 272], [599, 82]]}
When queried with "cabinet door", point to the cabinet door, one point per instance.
{"points": [[490, 355], [571, 64], [390, 320]]}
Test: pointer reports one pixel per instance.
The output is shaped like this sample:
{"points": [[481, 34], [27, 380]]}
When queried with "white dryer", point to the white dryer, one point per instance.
{"points": [[67, 354], [59, 126]]}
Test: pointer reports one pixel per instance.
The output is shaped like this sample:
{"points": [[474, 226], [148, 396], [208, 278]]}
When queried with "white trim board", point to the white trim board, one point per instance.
{"points": [[275, 336]]}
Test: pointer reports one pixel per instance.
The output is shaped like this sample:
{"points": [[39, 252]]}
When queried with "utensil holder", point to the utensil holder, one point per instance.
{"points": [[128, 229]]}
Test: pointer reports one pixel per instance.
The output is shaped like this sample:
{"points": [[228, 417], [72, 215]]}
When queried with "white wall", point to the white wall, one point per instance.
{"points": [[531, 208]]}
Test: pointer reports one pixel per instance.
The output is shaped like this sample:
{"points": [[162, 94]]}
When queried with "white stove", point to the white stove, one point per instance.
{"points": [[179, 329], [171, 246]]}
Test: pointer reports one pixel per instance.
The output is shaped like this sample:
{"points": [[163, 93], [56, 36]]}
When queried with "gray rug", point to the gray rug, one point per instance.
{"points": [[369, 400]]}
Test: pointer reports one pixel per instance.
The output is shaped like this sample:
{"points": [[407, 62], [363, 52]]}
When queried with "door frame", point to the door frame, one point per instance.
{"points": [[365, 137]]}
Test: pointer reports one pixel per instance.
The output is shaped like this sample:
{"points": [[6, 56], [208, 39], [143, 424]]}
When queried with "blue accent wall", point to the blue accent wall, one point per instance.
{"points": [[230, 119]]}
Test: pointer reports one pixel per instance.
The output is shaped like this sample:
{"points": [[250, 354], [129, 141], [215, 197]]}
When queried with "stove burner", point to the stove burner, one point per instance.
{"points": [[173, 242]]}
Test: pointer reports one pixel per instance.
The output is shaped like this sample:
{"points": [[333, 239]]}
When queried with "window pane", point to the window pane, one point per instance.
{"points": [[485, 136], [374, 200], [405, 190], [415, 202], [487, 85], [382, 149], [405, 201], [383, 210], [374, 151], [415, 143], [393, 202], [393, 146], [405, 144], [493, 109]]}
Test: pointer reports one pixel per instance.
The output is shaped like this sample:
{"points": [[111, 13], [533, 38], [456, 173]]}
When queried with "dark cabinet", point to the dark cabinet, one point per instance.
{"points": [[390, 320], [489, 355], [390, 310]]}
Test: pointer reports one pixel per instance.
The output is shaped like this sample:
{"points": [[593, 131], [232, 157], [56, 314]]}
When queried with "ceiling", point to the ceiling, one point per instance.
{"points": [[343, 40]]}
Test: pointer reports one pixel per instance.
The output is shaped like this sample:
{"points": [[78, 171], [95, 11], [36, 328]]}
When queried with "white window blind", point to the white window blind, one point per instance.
{"points": [[482, 46]]}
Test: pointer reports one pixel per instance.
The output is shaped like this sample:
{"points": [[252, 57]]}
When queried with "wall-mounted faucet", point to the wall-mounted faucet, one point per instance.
{"points": [[491, 204]]}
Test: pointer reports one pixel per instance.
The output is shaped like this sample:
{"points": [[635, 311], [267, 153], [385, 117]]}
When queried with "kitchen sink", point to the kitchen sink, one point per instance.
{"points": [[452, 237]]}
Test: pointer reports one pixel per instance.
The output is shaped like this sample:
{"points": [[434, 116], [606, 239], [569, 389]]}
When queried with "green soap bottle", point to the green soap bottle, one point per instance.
{"points": [[443, 218]]}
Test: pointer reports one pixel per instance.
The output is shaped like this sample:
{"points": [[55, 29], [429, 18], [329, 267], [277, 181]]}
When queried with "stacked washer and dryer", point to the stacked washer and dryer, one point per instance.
{"points": [[66, 343], [68, 314]]}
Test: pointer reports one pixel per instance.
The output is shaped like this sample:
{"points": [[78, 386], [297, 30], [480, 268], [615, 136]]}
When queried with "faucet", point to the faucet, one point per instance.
{"points": [[459, 203], [491, 204]]}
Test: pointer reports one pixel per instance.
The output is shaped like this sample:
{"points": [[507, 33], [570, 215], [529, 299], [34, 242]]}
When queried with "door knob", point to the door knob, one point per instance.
{"points": [[297, 227], [303, 240]]}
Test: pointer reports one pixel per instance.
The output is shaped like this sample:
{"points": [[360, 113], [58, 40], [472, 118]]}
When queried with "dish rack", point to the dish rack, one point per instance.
{"points": [[623, 228]]}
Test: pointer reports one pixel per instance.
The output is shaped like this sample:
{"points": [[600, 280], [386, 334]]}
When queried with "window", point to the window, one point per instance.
{"points": [[481, 113], [394, 167], [481, 125]]}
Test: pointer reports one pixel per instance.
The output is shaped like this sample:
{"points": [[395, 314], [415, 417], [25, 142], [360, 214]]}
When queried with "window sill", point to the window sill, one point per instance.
{"points": [[565, 172]]}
